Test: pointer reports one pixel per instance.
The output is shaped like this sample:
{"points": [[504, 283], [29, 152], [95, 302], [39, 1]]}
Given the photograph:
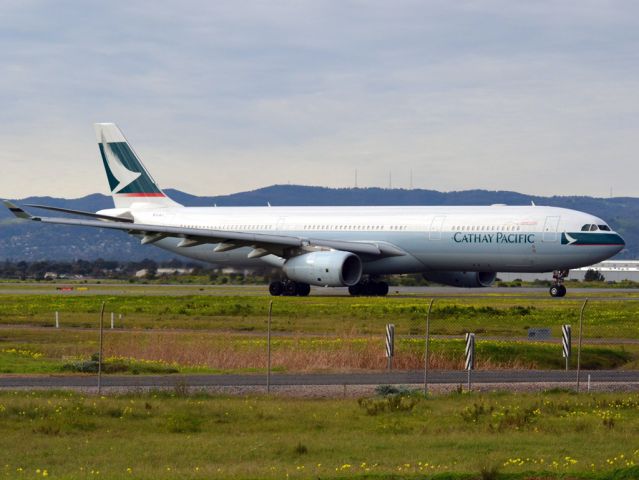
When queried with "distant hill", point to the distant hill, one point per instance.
{"points": [[30, 241]]}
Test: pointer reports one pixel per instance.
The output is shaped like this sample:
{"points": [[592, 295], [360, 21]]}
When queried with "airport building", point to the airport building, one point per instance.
{"points": [[612, 270]]}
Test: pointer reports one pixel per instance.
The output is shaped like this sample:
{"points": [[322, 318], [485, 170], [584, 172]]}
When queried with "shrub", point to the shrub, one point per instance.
{"points": [[300, 449], [49, 427], [390, 403], [385, 390], [474, 413], [593, 276], [489, 472], [183, 423]]}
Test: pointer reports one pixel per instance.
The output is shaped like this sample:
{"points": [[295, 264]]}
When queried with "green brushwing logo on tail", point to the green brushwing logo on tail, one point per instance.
{"points": [[125, 172]]}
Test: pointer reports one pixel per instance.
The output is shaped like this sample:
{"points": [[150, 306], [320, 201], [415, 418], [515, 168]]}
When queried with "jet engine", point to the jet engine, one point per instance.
{"points": [[326, 268], [462, 279]]}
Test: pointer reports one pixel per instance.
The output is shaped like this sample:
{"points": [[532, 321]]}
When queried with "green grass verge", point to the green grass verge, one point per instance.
{"points": [[495, 314], [167, 435]]}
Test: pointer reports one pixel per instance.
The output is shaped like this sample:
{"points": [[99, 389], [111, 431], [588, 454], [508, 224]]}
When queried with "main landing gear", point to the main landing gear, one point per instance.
{"points": [[558, 289], [289, 288], [369, 288]]}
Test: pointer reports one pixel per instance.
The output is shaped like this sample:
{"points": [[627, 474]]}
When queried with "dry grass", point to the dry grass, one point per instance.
{"points": [[297, 353]]}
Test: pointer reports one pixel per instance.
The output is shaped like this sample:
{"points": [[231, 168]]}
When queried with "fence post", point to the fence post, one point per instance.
{"points": [[390, 345], [566, 343], [581, 327], [100, 350], [268, 348], [470, 356], [426, 358]]}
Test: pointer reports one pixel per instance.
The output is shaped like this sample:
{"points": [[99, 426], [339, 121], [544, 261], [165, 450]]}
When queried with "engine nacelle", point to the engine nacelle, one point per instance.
{"points": [[462, 279], [326, 269]]}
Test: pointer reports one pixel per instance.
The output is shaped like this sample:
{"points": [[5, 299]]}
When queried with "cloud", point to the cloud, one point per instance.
{"points": [[218, 97]]}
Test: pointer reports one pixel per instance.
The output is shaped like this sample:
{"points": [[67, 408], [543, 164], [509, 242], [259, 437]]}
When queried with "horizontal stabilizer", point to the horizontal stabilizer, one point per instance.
{"points": [[17, 211]]}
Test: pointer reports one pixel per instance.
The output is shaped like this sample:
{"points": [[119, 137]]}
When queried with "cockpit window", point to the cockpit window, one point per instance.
{"points": [[590, 227]]}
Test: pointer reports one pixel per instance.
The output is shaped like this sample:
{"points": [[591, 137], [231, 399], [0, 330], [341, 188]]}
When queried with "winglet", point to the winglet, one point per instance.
{"points": [[17, 211]]}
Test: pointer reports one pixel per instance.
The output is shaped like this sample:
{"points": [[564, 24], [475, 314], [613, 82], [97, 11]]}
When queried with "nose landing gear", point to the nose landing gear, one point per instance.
{"points": [[558, 289]]}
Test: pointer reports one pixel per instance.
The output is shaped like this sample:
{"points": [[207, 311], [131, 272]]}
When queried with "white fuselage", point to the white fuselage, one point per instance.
{"points": [[490, 239]]}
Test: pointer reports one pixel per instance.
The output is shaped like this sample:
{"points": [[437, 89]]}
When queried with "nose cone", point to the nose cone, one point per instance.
{"points": [[613, 244], [608, 245], [621, 245]]}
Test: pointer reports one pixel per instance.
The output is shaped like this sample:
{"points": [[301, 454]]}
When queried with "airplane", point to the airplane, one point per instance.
{"points": [[344, 246]]}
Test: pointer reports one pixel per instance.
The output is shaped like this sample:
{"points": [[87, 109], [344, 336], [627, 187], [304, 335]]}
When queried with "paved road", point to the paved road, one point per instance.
{"points": [[411, 377]]}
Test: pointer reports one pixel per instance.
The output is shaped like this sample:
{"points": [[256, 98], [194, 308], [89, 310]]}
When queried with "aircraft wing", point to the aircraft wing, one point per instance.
{"points": [[80, 212], [262, 243]]}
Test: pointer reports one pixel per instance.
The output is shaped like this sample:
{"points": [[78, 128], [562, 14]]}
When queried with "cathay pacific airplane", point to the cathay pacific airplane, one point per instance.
{"points": [[345, 246]]}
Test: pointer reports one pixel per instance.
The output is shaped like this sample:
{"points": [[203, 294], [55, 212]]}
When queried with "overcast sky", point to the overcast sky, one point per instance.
{"points": [[219, 97]]}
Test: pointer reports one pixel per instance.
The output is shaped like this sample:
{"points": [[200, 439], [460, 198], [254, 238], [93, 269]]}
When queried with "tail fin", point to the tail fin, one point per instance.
{"points": [[130, 183]]}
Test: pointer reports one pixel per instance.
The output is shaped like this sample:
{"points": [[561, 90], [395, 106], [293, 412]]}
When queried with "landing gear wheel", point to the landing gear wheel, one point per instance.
{"points": [[303, 289], [290, 288], [355, 290], [558, 289], [369, 289], [276, 288], [382, 289]]}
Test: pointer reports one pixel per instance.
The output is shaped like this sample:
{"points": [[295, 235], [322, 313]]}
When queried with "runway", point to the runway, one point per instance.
{"points": [[380, 378], [110, 289]]}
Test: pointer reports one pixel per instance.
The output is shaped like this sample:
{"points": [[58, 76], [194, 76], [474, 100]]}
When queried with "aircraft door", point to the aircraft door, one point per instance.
{"points": [[550, 229], [279, 226], [436, 227]]}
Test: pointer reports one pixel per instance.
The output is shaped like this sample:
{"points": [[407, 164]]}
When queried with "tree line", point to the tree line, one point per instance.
{"points": [[99, 268]]}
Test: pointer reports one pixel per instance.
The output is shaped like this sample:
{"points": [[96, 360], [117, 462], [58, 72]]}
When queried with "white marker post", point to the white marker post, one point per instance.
{"points": [[566, 343], [470, 355], [390, 345], [57, 320], [112, 320]]}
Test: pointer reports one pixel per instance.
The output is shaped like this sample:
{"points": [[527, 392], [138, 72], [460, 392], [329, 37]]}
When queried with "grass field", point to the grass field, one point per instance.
{"points": [[162, 435], [176, 435], [159, 331], [491, 314]]}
